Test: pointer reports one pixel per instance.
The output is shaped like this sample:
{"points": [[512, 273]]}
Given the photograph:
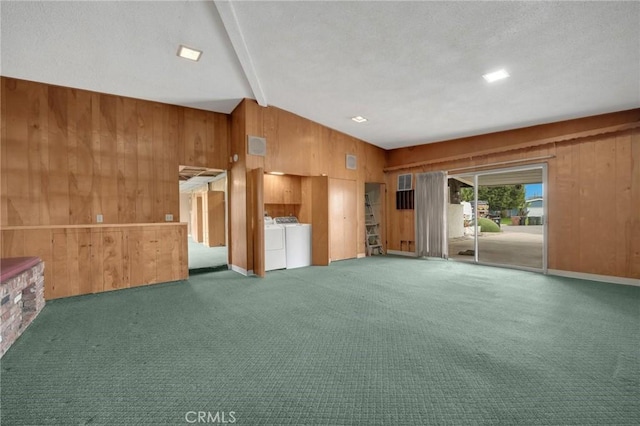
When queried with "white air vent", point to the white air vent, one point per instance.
{"points": [[351, 162], [404, 182], [256, 146]]}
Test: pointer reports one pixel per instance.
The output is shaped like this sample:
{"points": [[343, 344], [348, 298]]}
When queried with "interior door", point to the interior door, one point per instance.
{"points": [[342, 219]]}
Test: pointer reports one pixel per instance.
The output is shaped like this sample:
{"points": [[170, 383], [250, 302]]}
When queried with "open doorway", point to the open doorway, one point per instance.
{"points": [[498, 217], [203, 200], [374, 218]]}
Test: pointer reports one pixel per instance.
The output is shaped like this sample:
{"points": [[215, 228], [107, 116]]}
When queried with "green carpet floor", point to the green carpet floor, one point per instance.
{"points": [[381, 340]]}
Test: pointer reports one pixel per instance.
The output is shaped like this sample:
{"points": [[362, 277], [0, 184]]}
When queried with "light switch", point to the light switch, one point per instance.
{"points": [[99, 218], [168, 218]]}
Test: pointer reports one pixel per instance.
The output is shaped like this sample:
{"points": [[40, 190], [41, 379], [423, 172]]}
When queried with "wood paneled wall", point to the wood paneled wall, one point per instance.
{"points": [[69, 155], [298, 146], [239, 257], [593, 187], [523, 138], [594, 205], [96, 258]]}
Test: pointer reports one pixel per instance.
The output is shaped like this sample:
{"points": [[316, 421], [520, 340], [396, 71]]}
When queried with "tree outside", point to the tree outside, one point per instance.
{"points": [[499, 198]]}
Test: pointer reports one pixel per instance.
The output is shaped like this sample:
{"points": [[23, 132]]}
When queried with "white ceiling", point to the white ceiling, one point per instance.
{"points": [[414, 69]]}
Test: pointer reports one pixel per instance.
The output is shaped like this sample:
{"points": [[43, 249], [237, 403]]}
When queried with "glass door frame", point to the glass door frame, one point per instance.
{"points": [[545, 211]]}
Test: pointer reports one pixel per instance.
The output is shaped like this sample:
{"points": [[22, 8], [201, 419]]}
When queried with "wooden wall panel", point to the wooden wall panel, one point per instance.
{"points": [[593, 213], [80, 152], [172, 261], [17, 149], [129, 162], [215, 218], [146, 185], [282, 189], [605, 186], [237, 196], [297, 146], [623, 166], [205, 139], [70, 154], [92, 259], [58, 161], [319, 210], [633, 269], [39, 152], [371, 163], [593, 220], [563, 207], [511, 139], [106, 199], [305, 212], [343, 231], [255, 179], [71, 260], [116, 274], [4, 163], [198, 224], [587, 209]]}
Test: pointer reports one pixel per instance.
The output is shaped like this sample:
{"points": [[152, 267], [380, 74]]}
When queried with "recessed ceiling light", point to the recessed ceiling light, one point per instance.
{"points": [[495, 76], [359, 119], [189, 53], [277, 173]]}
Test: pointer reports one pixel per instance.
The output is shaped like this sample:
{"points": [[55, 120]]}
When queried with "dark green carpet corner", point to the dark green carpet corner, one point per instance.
{"points": [[379, 340]]}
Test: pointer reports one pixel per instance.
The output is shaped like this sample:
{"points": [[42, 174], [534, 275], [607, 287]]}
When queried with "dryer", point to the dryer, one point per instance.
{"points": [[298, 241], [275, 249]]}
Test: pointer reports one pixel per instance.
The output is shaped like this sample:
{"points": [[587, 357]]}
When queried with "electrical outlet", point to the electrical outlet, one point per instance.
{"points": [[168, 218], [99, 218]]}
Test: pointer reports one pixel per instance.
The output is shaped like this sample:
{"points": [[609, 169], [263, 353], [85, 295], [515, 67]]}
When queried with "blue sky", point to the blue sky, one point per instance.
{"points": [[532, 190]]}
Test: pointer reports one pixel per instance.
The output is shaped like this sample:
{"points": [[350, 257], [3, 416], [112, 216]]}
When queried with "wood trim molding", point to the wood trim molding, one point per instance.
{"points": [[523, 145], [91, 226]]}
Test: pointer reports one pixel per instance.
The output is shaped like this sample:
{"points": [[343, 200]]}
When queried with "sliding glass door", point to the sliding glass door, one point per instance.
{"points": [[498, 217]]}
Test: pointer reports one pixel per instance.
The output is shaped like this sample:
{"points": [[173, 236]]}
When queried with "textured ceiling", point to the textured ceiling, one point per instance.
{"points": [[414, 69], [124, 48]]}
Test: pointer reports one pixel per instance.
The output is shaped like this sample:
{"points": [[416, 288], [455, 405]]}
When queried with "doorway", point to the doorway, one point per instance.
{"points": [[203, 201], [374, 218], [498, 217]]}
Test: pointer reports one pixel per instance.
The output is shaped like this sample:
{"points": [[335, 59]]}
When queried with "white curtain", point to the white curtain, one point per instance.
{"points": [[431, 214]]}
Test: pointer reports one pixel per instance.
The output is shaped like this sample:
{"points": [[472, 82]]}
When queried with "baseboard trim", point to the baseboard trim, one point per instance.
{"points": [[402, 253], [240, 270], [595, 277], [361, 255]]}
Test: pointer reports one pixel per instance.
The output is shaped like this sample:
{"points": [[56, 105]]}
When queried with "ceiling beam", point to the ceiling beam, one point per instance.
{"points": [[232, 26]]}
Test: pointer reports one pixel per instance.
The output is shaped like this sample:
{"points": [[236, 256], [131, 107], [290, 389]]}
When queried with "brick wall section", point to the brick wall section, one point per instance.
{"points": [[21, 300]]}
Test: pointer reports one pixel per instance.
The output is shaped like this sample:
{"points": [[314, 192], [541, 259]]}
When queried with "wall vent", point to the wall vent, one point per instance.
{"points": [[256, 146], [405, 182], [351, 162]]}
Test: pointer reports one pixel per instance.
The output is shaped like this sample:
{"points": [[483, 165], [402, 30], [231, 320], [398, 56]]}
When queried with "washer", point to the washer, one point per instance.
{"points": [[298, 241], [275, 249]]}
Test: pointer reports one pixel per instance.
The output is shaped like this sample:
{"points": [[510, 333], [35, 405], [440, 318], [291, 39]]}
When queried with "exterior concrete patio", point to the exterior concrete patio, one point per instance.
{"points": [[515, 246]]}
